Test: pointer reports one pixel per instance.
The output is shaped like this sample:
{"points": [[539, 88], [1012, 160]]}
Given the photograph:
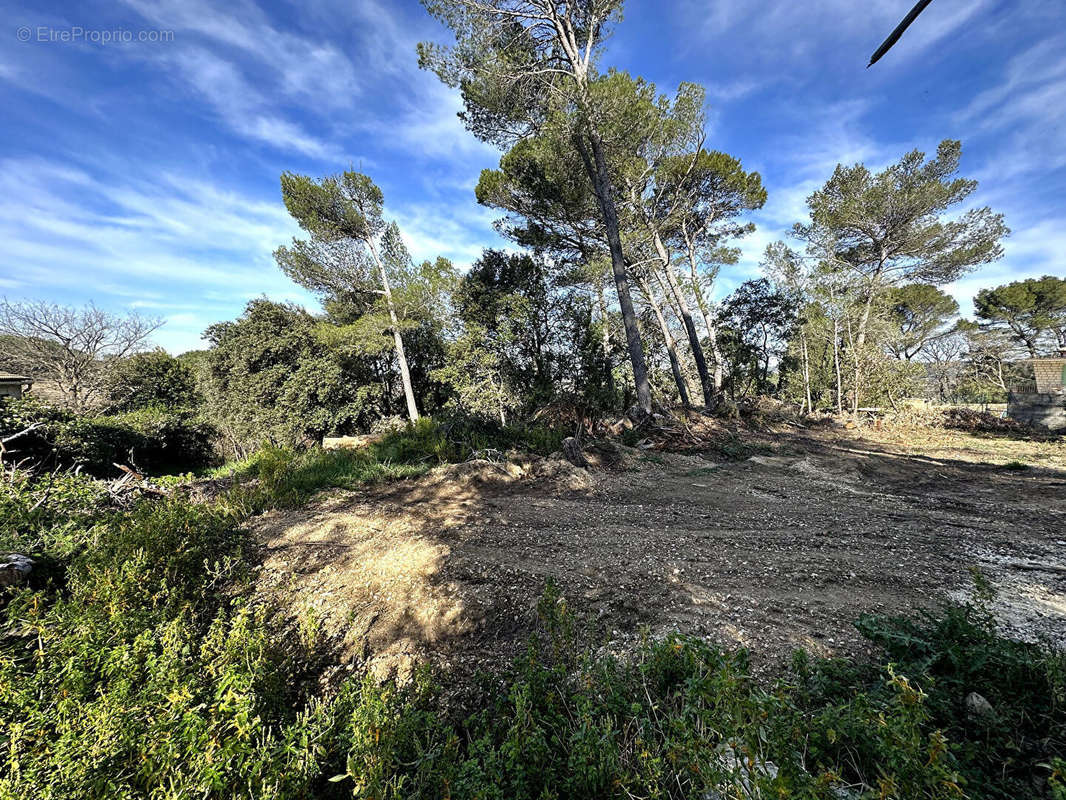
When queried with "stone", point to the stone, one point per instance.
{"points": [[1041, 410], [351, 442], [15, 569], [745, 773], [977, 706]]}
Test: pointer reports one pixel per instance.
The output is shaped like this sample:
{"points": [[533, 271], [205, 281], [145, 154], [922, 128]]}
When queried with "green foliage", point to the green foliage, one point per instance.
{"points": [[139, 677], [684, 719], [516, 350], [271, 377], [461, 437], [999, 752], [149, 380], [154, 440], [889, 227], [756, 322], [921, 312], [476, 374], [140, 669], [869, 234], [360, 267], [1033, 311]]}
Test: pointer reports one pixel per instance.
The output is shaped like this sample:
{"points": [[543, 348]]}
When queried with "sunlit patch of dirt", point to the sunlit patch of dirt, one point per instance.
{"points": [[364, 569], [770, 552]]}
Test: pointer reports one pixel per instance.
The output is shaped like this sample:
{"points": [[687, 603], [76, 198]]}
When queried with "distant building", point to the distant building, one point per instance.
{"points": [[1042, 402], [14, 385]]}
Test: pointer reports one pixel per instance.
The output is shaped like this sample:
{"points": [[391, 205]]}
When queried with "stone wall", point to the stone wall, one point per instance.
{"points": [[1042, 410], [1048, 373]]}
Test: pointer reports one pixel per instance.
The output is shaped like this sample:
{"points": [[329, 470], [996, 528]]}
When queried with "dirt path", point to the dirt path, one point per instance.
{"points": [[772, 552]]}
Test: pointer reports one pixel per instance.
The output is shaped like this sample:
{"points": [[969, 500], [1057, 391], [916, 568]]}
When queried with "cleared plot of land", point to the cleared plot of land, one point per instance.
{"points": [[771, 552]]}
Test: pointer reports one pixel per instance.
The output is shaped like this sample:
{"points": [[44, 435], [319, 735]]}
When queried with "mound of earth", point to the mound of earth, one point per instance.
{"points": [[771, 553]]}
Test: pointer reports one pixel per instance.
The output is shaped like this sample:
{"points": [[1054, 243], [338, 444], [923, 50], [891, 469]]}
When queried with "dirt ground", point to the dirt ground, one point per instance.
{"points": [[774, 551]]}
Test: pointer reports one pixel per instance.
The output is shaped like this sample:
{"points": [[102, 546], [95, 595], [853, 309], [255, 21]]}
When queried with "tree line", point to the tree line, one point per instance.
{"points": [[621, 220]]}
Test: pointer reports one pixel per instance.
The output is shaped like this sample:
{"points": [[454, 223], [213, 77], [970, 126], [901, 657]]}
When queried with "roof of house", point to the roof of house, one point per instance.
{"points": [[10, 377]]}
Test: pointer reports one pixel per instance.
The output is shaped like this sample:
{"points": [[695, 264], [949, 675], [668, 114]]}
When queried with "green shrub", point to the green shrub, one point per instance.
{"points": [[150, 380], [155, 440], [171, 440], [960, 651], [460, 438], [143, 669]]}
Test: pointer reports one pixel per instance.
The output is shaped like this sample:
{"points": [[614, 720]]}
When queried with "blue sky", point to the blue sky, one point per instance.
{"points": [[144, 174]]}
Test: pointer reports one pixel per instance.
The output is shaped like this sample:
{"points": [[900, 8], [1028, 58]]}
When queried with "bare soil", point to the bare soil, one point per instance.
{"points": [[783, 549]]}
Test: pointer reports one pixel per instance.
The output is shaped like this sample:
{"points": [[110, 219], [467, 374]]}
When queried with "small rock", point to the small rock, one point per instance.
{"points": [[15, 569], [977, 705]]}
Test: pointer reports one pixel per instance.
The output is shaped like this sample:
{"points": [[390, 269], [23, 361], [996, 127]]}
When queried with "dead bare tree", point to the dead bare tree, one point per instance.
{"points": [[70, 346]]}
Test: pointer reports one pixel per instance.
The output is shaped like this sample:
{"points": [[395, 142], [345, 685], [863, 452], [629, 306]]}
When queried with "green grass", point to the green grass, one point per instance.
{"points": [[141, 667]]}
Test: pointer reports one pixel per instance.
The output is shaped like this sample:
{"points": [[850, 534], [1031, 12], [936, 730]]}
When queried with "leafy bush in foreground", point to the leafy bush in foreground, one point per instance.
{"points": [[142, 670]]}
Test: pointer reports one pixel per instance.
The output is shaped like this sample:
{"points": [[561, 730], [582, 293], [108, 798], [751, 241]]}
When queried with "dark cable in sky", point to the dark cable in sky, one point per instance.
{"points": [[893, 37]]}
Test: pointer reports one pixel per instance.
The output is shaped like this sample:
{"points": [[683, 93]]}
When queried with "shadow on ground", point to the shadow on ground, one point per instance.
{"points": [[771, 553]]}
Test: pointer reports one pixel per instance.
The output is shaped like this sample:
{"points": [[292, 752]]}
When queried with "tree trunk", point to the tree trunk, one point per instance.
{"points": [[701, 302], [766, 359], [601, 181], [671, 344], [806, 372], [857, 343], [716, 351], [687, 373], [606, 334], [859, 340], [836, 366], [499, 404], [572, 452], [401, 356], [853, 347], [706, 386]]}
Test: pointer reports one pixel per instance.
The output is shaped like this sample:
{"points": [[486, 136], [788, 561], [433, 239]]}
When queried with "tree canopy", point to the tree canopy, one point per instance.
{"points": [[1032, 310]]}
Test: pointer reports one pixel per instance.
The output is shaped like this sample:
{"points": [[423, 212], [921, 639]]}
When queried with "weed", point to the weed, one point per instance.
{"points": [[142, 669]]}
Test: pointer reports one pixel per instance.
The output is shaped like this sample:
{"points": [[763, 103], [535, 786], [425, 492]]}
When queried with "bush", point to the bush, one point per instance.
{"points": [[155, 440], [149, 380], [144, 670], [685, 719], [1003, 752], [142, 675], [171, 440]]}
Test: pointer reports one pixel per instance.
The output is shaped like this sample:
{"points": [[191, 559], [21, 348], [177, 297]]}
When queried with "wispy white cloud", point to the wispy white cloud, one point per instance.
{"points": [[1030, 252], [247, 70], [158, 243], [1025, 111], [459, 233], [785, 33], [307, 67], [245, 109]]}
